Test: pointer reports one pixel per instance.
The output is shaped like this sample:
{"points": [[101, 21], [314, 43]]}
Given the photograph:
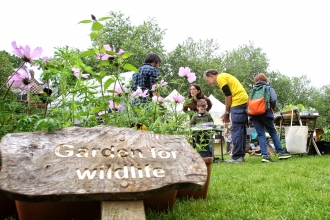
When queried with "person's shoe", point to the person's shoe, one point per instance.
{"points": [[284, 156], [239, 160], [216, 160], [266, 159]]}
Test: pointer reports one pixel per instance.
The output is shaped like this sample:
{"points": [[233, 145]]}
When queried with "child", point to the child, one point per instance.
{"points": [[202, 137]]}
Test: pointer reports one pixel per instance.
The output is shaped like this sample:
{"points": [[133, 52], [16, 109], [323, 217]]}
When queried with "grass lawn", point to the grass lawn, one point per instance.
{"points": [[297, 188]]}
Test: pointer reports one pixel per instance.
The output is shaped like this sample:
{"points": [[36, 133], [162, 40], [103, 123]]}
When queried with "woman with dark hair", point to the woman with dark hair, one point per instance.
{"points": [[195, 94]]}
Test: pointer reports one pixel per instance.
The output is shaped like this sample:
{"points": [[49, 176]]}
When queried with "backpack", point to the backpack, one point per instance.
{"points": [[259, 100]]}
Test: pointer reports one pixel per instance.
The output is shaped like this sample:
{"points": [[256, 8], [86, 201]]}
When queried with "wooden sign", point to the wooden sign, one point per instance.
{"points": [[99, 163]]}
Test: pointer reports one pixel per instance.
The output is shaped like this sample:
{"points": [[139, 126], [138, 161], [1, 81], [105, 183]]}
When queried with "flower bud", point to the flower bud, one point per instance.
{"points": [[93, 17]]}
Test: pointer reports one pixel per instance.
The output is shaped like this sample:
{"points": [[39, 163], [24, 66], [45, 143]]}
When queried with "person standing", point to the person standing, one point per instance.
{"points": [[260, 122], [236, 102], [147, 75], [228, 140], [195, 93]]}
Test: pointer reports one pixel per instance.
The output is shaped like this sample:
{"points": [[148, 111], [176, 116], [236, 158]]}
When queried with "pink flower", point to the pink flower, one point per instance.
{"points": [[113, 105], [140, 93], [45, 58], [157, 99], [24, 52], [105, 56], [185, 72], [178, 99], [20, 81], [161, 83], [76, 73]]}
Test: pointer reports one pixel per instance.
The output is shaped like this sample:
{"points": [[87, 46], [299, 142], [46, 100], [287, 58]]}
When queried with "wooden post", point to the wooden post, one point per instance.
{"points": [[118, 210]]}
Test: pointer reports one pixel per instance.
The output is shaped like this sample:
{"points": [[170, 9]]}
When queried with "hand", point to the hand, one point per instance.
{"points": [[225, 118]]}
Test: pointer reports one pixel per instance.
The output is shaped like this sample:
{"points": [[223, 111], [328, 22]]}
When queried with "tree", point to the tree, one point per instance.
{"points": [[245, 63], [7, 64], [139, 40], [282, 85], [198, 56]]}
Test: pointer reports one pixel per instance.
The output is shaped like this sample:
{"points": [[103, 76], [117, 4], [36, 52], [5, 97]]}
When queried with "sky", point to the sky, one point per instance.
{"points": [[294, 34]]}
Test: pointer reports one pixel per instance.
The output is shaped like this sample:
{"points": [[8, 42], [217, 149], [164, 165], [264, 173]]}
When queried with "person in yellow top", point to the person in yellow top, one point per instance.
{"points": [[236, 103]]}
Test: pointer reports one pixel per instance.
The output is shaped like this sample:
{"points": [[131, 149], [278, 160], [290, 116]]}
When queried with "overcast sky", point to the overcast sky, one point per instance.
{"points": [[295, 34]]}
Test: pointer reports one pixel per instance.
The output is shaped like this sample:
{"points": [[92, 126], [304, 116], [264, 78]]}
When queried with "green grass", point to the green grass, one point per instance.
{"points": [[297, 188]]}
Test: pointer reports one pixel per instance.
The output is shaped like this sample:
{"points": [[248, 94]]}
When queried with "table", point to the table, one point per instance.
{"points": [[284, 119], [218, 130]]}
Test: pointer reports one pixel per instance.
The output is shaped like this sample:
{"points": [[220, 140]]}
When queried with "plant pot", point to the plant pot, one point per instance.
{"points": [[7, 207], [88, 210], [162, 203], [196, 194]]}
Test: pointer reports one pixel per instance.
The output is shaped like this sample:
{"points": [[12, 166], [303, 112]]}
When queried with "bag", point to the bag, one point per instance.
{"points": [[259, 100], [296, 138]]}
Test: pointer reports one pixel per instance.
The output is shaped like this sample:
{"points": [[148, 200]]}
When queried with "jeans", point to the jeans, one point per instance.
{"points": [[262, 123], [239, 119], [228, 146]]}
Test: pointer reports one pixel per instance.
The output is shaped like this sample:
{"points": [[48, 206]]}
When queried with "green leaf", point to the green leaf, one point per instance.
{"points": [[85, 22], [105, 63], [94, 34], [130, 67], [108, 83], [97, 26], [87, 53], [103, 18], [126, 55]]}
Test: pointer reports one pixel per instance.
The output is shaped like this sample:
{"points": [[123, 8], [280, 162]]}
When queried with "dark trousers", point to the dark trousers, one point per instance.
{"points": [[239, 119]]}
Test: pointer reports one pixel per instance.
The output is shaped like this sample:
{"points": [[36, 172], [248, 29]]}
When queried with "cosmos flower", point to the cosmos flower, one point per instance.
{"points": [[24, 52], [157, 99], [107, 47], [140, 93], [76, 72], [20, 81], [178, 99], [114, 106], [185, 72], [160, 84]]}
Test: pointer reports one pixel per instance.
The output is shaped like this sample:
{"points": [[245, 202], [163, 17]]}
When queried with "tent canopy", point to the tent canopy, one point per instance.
{"points": [[218, 109]]}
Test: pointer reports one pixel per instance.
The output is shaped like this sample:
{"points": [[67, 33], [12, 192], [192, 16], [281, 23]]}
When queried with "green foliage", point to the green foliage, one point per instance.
{"points": [[245, 63], [326, 134]]}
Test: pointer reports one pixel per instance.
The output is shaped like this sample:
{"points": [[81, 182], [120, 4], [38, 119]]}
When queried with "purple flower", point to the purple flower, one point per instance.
{"points": [[140, 93], [20, 81], [185, 72], [178, 99], [113, 105], [24, 52], [161, 83], [93, 17], [107, 47], [157, 99], [76, 73]]}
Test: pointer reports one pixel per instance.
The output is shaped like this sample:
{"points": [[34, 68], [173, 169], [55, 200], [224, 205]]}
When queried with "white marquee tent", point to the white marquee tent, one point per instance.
{"points": [[218, 109]]}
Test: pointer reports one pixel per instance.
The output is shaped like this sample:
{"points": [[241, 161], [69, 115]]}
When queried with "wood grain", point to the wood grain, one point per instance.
{"points": [[99, 163]]}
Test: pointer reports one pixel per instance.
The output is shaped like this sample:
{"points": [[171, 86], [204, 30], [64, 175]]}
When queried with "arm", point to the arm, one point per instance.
{"points": [[273, 98], [225, 117], [228, 101], [153, 80]]}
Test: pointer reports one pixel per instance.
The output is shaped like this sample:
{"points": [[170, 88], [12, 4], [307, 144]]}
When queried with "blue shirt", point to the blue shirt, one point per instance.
{"points": [[146, 77]]}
